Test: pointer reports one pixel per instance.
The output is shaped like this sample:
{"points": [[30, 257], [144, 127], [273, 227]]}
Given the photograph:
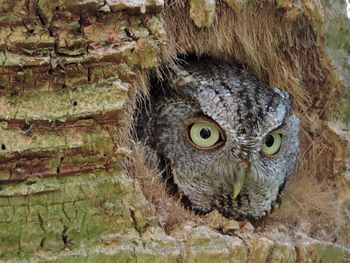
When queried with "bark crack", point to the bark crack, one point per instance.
{"points": [[65, 237], [40, 15], [41, 224], [133, 217], [5, 57]]}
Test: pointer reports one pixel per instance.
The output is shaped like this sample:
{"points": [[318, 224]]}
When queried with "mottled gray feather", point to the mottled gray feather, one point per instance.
{"points": [[247, 110]]}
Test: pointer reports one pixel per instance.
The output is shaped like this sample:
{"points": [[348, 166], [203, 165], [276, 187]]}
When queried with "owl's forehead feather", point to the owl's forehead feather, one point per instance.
{"points": [[237, 97]]}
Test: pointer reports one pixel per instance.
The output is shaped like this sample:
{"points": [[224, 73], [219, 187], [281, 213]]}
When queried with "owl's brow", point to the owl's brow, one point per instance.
{"points": [[282, 124]]}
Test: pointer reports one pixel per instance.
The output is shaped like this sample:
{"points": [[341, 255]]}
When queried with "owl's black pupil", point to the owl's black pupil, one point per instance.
{"points": [[205, 133], [269, 140]]}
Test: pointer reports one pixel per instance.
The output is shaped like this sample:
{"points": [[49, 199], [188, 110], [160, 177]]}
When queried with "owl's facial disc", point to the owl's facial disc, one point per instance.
{"points": [[205, 135], [228, 141]]}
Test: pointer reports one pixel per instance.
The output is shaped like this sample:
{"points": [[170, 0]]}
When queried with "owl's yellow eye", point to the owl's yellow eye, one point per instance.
{"points": [[204, 134], [272, 143]]}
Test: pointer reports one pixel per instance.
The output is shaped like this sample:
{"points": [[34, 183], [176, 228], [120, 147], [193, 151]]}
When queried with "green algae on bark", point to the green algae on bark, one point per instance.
{"points": [[68, 78], [67, 71], [67, 104]]}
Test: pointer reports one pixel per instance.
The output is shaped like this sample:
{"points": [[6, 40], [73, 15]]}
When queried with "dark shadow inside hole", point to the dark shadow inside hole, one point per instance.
{"points": [[3, 146], [75, 103]]}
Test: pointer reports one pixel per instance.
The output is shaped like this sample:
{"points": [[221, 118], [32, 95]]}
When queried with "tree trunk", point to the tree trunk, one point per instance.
{"points": [[71, 74]]}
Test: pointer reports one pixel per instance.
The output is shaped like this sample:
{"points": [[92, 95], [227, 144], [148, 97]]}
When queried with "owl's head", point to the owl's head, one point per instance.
{"points": [[229, 141]]}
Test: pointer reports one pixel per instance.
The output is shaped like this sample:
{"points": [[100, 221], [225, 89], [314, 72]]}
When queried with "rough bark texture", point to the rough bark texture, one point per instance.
{"points": [[337, 36], [70, 72], [70, 75]]}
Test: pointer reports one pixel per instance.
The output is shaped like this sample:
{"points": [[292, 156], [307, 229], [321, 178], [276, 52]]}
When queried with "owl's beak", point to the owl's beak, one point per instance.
{"points": [[238, 184]]}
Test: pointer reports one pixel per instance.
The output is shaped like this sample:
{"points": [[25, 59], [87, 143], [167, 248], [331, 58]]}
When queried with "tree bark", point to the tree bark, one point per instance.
{"points": [[71, 74]]}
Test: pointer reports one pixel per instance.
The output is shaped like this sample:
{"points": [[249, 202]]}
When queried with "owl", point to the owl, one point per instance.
{"points": [[224, 139]]}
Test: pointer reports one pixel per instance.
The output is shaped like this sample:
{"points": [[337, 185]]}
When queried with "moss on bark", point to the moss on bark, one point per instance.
{"points": [[70, 75]]}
